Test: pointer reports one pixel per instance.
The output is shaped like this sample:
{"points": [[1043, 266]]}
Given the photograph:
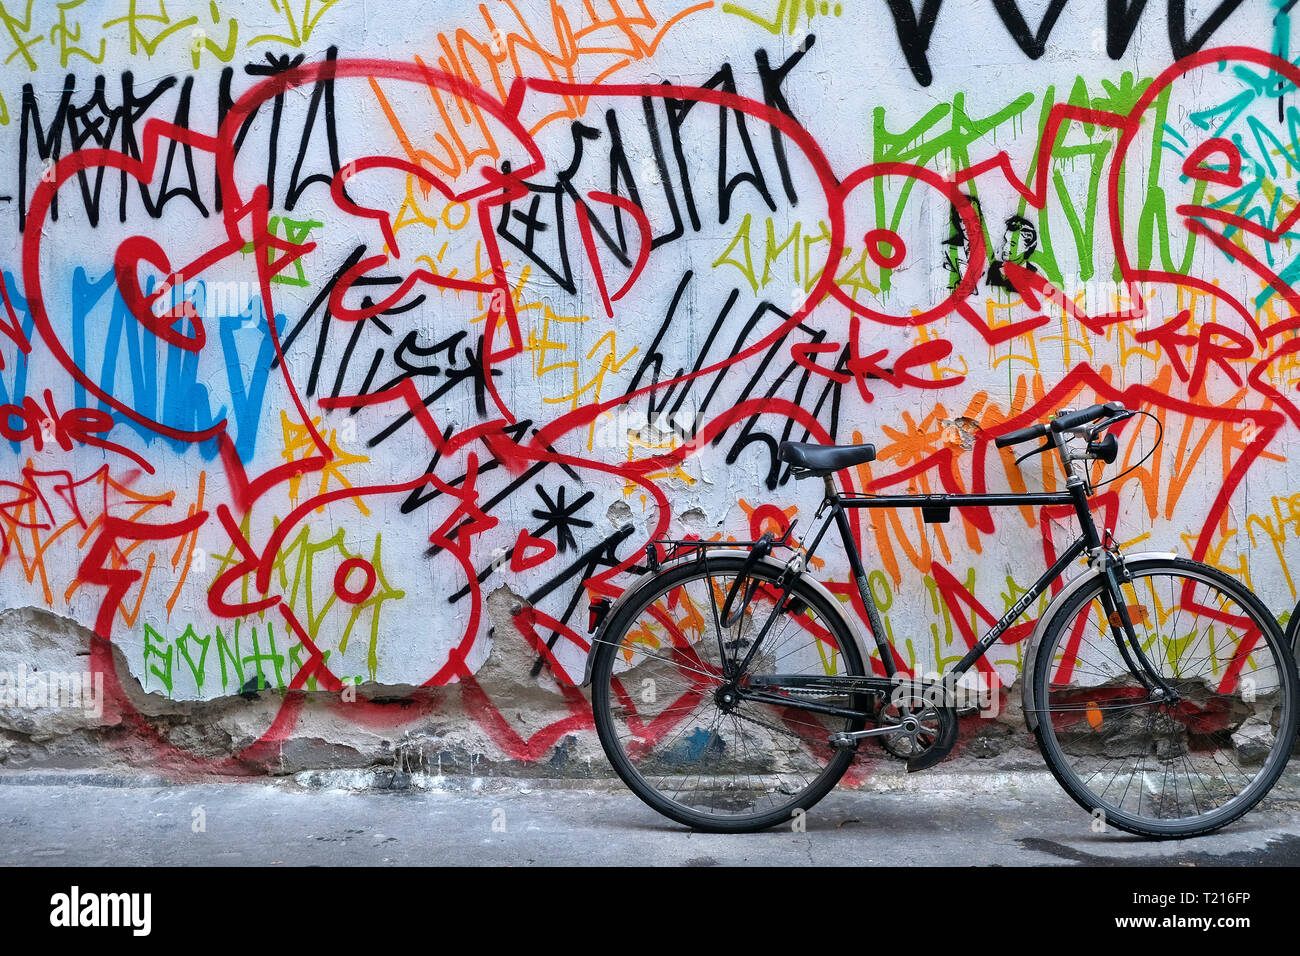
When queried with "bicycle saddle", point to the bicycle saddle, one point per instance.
{"points": [[813, 459]]}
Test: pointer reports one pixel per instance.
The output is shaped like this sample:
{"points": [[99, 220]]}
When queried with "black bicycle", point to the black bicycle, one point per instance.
{"points": [[731, 690]]}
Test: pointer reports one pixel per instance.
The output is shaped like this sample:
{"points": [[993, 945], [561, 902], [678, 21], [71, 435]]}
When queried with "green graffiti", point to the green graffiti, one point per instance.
{"points": [[785, 19], [300, 25], [295, 231], [240, 662]]}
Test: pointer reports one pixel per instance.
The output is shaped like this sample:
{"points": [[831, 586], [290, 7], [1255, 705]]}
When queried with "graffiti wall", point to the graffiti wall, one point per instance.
{"points": [[346, 348]]}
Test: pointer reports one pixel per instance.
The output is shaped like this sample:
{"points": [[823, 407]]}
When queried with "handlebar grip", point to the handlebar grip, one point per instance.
{"points": [[1023, 434], [1070, 420]]}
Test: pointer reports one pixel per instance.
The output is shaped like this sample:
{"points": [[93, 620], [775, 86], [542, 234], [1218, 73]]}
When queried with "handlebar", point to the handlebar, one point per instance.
{"points": [[1064, 422], [1023, 434], [1106, 449]]}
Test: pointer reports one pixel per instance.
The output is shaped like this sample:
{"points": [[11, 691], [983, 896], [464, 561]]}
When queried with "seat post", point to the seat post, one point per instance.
{"points": [[859, 572]]}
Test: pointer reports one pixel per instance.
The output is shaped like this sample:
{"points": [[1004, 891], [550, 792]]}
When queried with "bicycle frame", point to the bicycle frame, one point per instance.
{"points": [[936, 507], [840, 504]]}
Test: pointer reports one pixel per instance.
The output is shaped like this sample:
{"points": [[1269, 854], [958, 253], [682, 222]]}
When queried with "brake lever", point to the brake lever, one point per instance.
{"points": [[1102, 425], [1045, 446]]}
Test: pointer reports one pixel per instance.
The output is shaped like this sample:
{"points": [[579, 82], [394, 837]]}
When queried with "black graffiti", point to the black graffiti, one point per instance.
{"points": [[1033, 44], [914, 31], [186, 173], [540, 225], [320, 105], [379, 353], [825, 408], [601, 555], [561, 516], [914, 35], [1121, 20], [97, 123], [1181, 44], [668, 404]]}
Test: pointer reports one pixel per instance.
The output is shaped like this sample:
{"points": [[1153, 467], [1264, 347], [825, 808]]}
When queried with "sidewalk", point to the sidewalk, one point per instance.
{"points": [[926, 819]]}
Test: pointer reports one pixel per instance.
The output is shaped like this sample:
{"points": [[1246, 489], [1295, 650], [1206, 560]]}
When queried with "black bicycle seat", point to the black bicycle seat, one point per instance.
{"points": [[824, 459]]}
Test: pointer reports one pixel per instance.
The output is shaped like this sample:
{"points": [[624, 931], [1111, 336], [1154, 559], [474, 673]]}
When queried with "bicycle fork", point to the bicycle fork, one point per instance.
{"points": [[1123, 632], [1105, 554]]}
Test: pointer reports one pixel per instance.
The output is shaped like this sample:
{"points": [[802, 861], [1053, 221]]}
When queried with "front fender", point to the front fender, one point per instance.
{"points": [[648, 582], [1035, 639]]}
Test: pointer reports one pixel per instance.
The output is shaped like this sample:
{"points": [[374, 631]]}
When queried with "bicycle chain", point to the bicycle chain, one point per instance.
{"points": [[779, 730]]}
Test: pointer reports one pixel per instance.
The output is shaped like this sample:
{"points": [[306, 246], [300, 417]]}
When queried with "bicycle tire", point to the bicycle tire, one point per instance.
{"points": [[1234, 712], [778, 778]]}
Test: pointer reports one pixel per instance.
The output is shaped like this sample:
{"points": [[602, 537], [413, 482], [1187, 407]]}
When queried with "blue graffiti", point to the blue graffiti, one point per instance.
{"points": [[133, 358]]}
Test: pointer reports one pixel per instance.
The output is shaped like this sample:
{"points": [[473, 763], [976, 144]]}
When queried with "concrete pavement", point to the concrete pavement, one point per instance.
{"points": [[323, 819]]}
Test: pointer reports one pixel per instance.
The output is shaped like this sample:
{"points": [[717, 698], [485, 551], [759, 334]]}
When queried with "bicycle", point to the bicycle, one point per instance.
{"points": [[730, 689]]}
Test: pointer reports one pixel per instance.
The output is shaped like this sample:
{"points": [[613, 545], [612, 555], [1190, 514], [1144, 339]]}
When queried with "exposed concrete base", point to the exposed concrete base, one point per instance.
{"points": [[505, 725], [489, 729]]}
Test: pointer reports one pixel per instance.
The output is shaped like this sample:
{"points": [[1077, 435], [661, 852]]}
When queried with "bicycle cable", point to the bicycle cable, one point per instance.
{"points": [[1160, 434]]}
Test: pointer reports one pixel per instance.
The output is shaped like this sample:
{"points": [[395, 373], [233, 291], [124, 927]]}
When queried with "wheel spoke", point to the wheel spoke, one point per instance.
{"points": [[1167, 766], [671, 732]]}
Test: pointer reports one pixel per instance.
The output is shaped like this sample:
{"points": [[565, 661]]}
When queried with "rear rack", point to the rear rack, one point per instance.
{"points": [[680, 547]]}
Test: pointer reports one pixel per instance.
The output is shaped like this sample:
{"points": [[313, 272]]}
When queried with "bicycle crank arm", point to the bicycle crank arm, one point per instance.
{"points": [[849, 738], [926, 755]]}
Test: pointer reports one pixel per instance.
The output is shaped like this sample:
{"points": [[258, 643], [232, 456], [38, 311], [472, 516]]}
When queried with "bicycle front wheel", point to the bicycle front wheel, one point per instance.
{"points": [[1151, 765], [702, 756]]}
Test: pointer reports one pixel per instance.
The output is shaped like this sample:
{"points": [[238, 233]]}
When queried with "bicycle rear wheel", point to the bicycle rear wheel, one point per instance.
{"points": [[1154, 767], [657, 695]]}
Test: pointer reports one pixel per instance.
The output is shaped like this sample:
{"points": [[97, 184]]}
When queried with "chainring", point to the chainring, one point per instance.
{"points": [[932, 739]]}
